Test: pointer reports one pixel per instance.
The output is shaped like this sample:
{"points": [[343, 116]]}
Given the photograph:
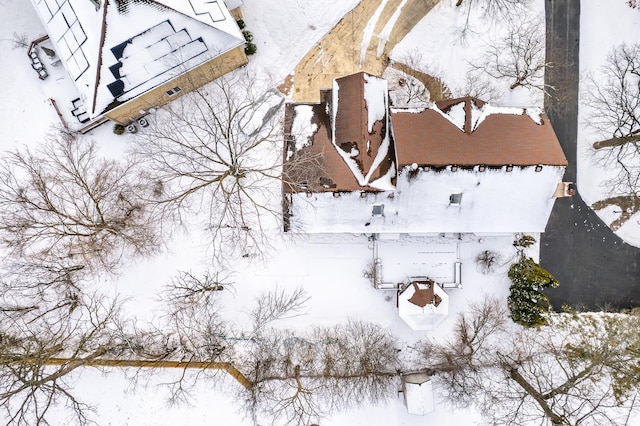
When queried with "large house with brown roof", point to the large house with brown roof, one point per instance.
{"points": [[460, 166], [128, 56]]}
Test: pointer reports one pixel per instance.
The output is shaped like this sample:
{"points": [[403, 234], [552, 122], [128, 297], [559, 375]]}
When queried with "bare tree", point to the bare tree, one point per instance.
{"points": [[218, 150], [479, 87], [39, 350], [64, 204], [518, 57], [187, 290], [196, 333], [492, 12], [406, 90], [469, 349], [413, 84], [34, 292], [277, 304], [497, 9], [194, 320], [487, 261], [20, 40], [298, 380], [580, 369], [292, 378], [614, 99]]}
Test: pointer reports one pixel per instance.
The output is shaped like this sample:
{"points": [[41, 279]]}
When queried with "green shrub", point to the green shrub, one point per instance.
{"points": [[241, 24], [524, 241], [247, 35], [527, 304], [118, 129], [250, 48]]}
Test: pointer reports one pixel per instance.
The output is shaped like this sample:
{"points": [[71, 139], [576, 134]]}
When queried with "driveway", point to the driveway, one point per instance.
{"points": [[596, 269], [361, 41]]}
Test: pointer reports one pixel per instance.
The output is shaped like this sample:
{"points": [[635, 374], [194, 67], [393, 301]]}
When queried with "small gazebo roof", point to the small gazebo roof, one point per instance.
{"points": [[423, 304]]}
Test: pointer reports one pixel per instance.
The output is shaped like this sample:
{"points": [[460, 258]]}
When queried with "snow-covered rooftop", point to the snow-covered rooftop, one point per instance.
{"points": [[360, 130], [490, 201], [116, 51]]}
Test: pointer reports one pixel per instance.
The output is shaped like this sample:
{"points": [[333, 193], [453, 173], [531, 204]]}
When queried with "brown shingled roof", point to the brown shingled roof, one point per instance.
{"points": [[352, 124], [351, 117], [428, 138], [422, 296], [351, 131], [335, 174]]}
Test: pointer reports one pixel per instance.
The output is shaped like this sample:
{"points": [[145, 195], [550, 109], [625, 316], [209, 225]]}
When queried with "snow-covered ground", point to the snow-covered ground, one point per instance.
{"points": [[330, 268], [448, 40], [623, 26]]}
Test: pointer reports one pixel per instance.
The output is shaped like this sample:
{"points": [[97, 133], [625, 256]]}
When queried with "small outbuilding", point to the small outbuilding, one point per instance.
{"points": [[417, 389]]}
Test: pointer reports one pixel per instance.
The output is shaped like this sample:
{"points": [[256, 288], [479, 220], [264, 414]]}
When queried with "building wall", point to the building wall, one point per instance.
{"points": [[187, 82]]}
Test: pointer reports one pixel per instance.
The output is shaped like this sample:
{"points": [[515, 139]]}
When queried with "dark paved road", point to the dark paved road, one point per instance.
{"points": [[595, 268]]}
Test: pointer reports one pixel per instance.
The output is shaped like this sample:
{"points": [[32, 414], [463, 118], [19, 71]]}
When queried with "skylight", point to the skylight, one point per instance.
{"points": [[377, 210]]}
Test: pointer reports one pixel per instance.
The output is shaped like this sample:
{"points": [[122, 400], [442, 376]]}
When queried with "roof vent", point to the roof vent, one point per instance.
{"points": [[455, 199]]}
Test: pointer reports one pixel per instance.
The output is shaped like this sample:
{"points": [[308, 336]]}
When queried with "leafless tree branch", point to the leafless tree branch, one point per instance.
{"points": [[274, 305], [518, 57], [614, 99], [580, 369], [63, 204], [298, 380], [217, 150], [31, 379]]}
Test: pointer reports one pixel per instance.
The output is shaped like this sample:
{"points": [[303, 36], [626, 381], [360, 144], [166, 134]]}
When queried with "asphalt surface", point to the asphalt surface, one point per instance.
{"points": [[596, 269]]}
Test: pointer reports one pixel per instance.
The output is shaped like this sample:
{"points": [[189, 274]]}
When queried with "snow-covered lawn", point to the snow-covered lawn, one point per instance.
{"points": [[622, 26], [329, 267], [447, 40]]}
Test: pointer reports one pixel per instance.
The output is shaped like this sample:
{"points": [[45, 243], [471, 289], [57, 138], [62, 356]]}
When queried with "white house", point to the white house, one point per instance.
{"points": [[461, 166], [127, 56]]}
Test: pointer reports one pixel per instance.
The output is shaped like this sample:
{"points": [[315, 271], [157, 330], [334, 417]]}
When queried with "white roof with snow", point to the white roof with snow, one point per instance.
{"points": [[120, 50], [418, 394], [491, 201]]}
